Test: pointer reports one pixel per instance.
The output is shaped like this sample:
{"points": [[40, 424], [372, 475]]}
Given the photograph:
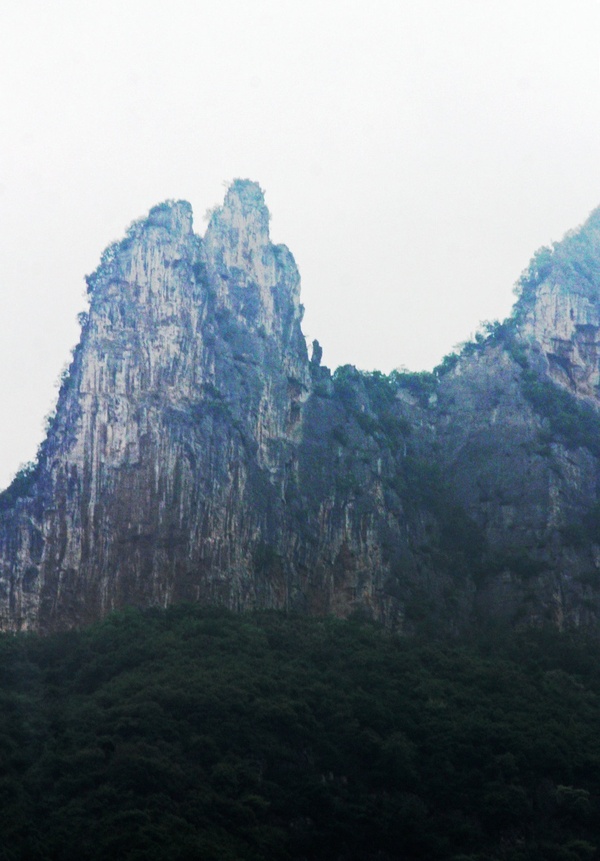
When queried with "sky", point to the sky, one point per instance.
{"points": [[414, 155]]}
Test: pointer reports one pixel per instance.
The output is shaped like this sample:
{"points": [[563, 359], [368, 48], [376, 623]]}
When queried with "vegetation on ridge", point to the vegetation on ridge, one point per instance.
{"points": [[20, 486], [574, 263]]}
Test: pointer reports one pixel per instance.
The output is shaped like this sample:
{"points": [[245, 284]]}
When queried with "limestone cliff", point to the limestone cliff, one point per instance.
{"points": [[169, 454], [197, 454], [559, 308]]}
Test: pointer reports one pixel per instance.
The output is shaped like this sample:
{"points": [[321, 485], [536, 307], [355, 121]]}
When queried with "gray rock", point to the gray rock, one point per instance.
{"points": [[196, 454]]}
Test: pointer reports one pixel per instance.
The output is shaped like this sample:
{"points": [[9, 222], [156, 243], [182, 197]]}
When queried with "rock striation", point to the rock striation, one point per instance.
{"points": [[197, 454]]}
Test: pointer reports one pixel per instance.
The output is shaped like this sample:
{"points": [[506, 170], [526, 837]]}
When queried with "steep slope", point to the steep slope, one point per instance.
{"points": [[186, 460], [532, 491], [181, 399], [520, 431], [197, 454]]}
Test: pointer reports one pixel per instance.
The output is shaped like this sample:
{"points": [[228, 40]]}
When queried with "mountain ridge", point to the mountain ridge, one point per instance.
{"points": [[198, 454]]}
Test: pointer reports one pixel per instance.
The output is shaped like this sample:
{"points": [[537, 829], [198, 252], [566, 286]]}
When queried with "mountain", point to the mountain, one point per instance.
{"points": [[198, 454]]}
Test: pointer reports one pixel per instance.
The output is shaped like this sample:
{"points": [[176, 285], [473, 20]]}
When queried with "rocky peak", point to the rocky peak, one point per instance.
{"points": [[244, 207], [255, 279], [558, 310], [238, 232], [174, 216], [175, 431]]}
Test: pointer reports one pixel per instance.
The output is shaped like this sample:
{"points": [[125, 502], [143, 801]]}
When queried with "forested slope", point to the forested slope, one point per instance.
{"points": [[196, 733]]}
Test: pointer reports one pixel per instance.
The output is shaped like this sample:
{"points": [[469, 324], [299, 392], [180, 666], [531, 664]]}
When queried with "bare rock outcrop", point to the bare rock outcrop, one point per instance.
{"points": [[197, 454]]}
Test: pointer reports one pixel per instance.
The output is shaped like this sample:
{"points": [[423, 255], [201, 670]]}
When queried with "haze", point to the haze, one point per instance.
{"points": [[414, 156]]}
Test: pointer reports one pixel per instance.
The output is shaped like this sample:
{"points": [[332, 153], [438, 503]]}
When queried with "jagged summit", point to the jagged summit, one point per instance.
{"points": [[197, 454], [244, 204], [192, 351], [174, 215], [558, 309]]}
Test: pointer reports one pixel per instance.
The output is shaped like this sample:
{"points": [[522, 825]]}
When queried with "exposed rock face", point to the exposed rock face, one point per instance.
{"points": [[169, 454], [531, 492], [560, 308], [197, 454]]}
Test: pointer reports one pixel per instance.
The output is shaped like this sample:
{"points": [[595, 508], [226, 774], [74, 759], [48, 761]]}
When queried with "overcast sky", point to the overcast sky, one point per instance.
{"points": [[414, 153]]}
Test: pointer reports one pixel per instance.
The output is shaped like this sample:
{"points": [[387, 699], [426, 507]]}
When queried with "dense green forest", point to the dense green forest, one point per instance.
{"points": [[197, 733]]}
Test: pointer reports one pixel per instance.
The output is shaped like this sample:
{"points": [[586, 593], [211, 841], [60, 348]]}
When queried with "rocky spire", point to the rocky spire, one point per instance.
{"points": [[192, 351]]}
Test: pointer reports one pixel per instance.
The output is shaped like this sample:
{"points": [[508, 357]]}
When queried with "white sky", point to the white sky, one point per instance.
{"points": [[415, 153]]}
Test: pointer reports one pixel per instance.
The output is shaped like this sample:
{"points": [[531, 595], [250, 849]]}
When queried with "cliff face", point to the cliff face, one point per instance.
{"points": [[197, 454], [531, 489], [168, 456], [560, 308]]}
